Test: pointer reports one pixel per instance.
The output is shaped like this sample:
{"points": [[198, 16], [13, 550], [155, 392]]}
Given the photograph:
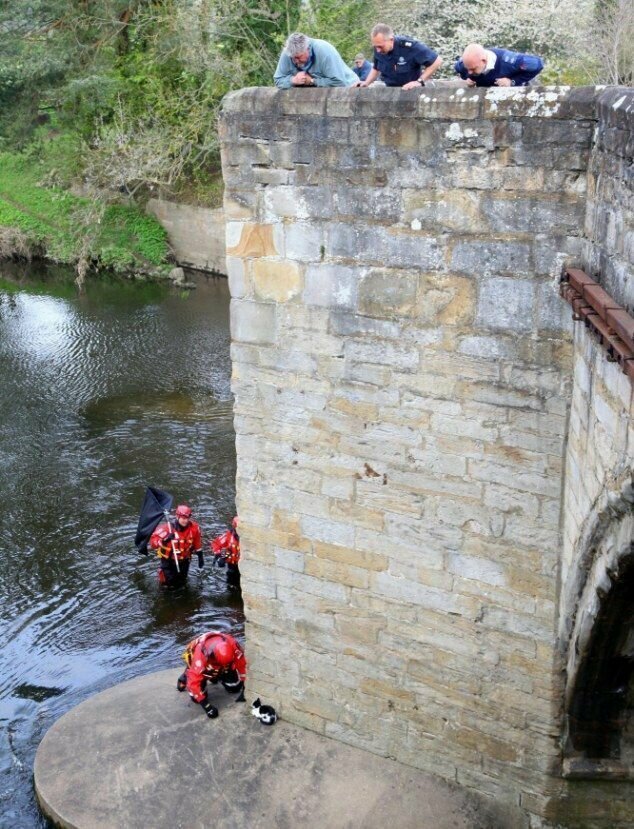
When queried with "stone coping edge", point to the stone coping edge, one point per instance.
{"points": [[557, 102]]}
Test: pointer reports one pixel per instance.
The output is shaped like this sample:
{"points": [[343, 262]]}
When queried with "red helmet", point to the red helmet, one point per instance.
{"points": [[183, 511], [222, 652], [234, 522]]}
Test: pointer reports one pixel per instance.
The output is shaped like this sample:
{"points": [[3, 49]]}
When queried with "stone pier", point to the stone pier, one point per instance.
{"points": [[422, 435]]}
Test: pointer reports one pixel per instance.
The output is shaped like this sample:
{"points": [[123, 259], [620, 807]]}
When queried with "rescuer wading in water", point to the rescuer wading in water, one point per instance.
{"points": [[226, 549], [177, 539]]}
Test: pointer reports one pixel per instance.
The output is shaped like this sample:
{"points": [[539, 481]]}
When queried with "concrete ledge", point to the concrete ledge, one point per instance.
{"points": [[142, 755], [196, 234]]}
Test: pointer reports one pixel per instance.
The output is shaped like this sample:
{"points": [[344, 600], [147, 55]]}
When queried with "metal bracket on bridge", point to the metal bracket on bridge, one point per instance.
{"points": [[612, 324]]}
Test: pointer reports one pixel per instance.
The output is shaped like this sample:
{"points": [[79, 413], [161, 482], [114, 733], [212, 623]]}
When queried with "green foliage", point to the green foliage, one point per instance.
{"points": [[121, 223], [135, 85], [346, 25], [70, 228]]}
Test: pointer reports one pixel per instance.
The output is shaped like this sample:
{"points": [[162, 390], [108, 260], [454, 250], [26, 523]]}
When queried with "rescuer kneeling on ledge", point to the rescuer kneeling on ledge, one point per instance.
{"points": [[213, 657]]}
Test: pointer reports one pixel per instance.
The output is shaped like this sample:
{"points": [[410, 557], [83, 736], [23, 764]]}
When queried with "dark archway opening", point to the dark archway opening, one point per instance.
{"points": [[601, 714]]}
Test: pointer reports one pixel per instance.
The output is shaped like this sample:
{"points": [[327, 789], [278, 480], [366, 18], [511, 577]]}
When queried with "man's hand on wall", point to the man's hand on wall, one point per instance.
{"points": [[503, 82], [302, 79]]}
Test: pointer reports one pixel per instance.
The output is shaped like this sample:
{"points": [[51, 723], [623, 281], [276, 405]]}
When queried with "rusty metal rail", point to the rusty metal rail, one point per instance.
{"points": [[612, 324]]}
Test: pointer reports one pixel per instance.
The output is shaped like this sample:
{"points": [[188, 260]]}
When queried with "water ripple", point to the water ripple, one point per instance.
{"points": [[103, 394]]}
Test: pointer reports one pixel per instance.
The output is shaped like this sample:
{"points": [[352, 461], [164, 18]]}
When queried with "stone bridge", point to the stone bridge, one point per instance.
{"points": [[434, 461]]}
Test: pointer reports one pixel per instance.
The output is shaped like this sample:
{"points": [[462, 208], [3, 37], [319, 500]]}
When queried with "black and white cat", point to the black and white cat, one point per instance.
{"points": [[265, 713]]}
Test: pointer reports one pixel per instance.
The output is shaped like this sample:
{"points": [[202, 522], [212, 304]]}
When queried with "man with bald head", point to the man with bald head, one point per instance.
{"points": [[497, 67]]}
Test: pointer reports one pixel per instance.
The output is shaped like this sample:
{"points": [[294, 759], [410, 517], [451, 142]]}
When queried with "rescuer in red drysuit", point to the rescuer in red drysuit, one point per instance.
{"points": [[181, 537], [226, 549], [213, 657]]}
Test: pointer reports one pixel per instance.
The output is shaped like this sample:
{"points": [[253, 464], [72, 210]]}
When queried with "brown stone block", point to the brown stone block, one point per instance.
{"points": [[238, 204], [282, 520], [384, 292], [483, 743], [531, 583], [503, 551], [377, 101], [456, 211], [434, 677], [255, 240], [303, 101], [364, 631], [320, 706], [302, 718], [385, 690], [401, 134], [337, 572], [350, 557], [446, 300], [357, 514], [277, 280], [363, 411]]}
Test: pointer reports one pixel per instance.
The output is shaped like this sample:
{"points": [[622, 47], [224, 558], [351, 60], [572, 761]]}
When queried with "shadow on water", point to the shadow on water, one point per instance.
{"points": [[104, 393]]}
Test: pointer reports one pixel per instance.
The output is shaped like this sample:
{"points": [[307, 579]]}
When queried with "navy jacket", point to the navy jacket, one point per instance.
{"points": [[520, 69], [405, 62], [362, 71]]}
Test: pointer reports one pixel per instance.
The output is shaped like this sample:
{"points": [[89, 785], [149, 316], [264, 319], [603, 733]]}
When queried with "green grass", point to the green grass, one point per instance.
{"points": [[63, 226]]}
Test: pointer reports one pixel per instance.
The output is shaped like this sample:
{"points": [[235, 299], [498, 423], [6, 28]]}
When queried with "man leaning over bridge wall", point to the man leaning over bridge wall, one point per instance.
{"points": [[497, 67], [306, 61]]}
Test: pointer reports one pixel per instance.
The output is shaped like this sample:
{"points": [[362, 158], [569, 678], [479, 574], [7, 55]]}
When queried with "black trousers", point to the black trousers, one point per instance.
{"points": [[169, 575], [233, 576]]}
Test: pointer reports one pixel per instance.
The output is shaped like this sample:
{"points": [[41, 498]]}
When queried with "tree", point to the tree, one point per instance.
{"points": [[612, 51], [540, 27], [346, 25]]}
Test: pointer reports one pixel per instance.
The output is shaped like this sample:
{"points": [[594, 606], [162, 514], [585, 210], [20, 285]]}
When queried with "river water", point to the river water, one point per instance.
{"points": [[102, 393]]}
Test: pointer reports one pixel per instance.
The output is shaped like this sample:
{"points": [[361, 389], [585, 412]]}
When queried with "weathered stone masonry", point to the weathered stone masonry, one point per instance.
{"points": [[402, 370]]}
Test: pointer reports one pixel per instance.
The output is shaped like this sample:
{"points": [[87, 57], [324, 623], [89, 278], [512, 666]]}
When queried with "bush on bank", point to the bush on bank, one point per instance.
{"points": [[71, 229]]}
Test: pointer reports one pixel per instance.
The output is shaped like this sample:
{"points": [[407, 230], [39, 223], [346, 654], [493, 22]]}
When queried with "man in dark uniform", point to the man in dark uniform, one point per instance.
{"points": [[497, 67], [399, 60]]}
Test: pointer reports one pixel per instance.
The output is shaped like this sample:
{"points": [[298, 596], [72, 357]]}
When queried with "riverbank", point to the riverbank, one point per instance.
{"points": [[50, 222], [141, 754]]}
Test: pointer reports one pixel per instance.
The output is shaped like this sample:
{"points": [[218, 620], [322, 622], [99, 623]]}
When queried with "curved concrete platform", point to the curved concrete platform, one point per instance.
{"points": [[142, 756]]}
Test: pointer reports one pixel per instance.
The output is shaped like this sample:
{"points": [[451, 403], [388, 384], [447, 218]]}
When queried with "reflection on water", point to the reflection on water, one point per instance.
{"points": [[102, 393]]}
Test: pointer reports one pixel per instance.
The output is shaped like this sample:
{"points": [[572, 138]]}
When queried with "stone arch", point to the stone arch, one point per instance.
{"points": [[599, 693]]}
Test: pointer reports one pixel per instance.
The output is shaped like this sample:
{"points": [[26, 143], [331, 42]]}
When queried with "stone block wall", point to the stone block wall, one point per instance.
{"points": [[609, 227], [600, 456], [599, 479], [402, 371]]}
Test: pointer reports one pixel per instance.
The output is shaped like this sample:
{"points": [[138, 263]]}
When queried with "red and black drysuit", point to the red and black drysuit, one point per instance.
{"points": [[226, 548], [203, 666], [170, 537]]}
